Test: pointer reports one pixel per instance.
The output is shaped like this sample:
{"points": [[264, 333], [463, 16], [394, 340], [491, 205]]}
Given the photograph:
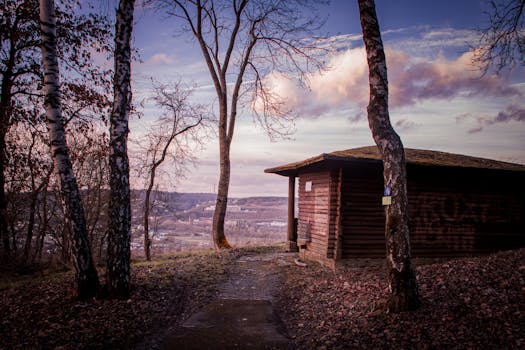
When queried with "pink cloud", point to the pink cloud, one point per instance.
{"points": [[345, 80], [411, 80], [161, 58]]}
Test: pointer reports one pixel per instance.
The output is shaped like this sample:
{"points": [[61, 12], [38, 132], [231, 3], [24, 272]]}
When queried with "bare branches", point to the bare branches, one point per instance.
{"points": [[175, 136], [260, 37], [246, 40], [503, 41]]}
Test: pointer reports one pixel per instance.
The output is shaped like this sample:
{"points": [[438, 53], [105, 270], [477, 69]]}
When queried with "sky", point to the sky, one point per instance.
{"points": [[438, 99]]}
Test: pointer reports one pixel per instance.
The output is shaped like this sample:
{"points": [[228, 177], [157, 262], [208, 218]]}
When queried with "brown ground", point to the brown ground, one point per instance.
{"points": [[38, 311], [471, 303], [475, 303]]}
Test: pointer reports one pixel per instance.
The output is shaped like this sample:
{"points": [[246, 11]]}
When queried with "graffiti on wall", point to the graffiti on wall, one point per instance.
{"points": [[453, 219]]}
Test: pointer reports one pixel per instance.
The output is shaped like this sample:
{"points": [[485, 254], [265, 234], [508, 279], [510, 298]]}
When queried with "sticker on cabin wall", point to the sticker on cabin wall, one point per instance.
{"points": [[308, 186], [387, 196]]}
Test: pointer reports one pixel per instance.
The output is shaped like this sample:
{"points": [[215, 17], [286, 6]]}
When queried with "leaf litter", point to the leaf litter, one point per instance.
{"points": [[468, 303]]}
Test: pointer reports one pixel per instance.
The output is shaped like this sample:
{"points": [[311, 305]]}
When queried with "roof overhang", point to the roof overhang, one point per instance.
{"points": [[371, 154], [322, 161]]}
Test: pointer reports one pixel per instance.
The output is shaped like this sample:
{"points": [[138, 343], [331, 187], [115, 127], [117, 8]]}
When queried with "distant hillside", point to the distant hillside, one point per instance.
{"points": [[177, 200], [260, 200], [184, 201], [183, 221]]}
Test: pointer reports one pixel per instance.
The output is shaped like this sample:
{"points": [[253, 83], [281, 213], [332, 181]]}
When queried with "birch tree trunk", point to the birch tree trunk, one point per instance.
{"points": [[119, 234], [86, 274], [402, 282]]}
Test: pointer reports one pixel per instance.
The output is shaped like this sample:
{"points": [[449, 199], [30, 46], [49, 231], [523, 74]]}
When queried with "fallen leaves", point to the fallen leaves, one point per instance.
{"points": [[41, 314], [467, 303]]}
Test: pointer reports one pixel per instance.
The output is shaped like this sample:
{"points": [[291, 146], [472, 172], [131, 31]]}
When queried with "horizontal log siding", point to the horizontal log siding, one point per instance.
{"points": [[362, 215], [453, 212], [458, 212], [314, 212]]}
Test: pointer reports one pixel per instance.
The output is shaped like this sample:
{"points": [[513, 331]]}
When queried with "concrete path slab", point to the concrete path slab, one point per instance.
{"points": [[230, 324], [243, 316]]}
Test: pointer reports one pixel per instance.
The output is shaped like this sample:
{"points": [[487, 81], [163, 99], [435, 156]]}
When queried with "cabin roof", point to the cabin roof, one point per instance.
{"points": [[413, 156]]}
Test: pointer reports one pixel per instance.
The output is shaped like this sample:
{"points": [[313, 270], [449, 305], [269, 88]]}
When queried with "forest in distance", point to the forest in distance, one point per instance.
{"points": [[179, 222]]}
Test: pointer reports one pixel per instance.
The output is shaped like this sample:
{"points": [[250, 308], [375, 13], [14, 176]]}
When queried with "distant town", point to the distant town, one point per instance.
{"points": [[183, 221]]}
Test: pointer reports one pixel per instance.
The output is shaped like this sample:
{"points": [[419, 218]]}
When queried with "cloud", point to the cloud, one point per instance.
{"points": [[412, 80], [160, 58], [448, 37], [337, 42], [511, 113], [404, 124], [415, 80], [345, 80]]}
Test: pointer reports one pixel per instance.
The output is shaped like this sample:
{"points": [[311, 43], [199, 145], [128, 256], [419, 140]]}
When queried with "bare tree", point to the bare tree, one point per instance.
{"points": [[86, 274], [174, 136], [402, 282], [502, 43], [241, 42], [90, 151], [119, 226], [39, 172], [83, 84]]}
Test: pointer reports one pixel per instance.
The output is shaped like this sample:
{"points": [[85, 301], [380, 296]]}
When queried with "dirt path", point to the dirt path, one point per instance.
{"points": [[243, 316]]}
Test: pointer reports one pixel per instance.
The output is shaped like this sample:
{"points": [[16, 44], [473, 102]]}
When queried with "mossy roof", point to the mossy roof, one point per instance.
{"points": [[413, 156]]}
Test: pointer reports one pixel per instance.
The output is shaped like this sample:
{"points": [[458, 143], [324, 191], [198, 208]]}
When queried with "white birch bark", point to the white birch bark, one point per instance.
{"points": [[86, 274], [119, 233], [402, 282]]}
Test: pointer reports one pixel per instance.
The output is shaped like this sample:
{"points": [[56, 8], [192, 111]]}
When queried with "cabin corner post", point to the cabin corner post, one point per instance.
{"points": [[292, 233]]}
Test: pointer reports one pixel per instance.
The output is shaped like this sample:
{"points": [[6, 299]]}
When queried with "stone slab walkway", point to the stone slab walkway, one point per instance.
{"points": [[243, 317]]}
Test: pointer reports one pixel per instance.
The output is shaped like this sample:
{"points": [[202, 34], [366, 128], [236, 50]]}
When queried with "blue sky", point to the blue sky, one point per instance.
{"points": [[438, 99]]}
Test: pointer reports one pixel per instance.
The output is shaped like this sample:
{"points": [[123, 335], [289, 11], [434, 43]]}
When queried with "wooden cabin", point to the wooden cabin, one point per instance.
{"points": [[458, 205]]}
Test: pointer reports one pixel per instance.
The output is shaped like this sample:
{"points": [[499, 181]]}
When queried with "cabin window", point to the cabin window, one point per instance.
{"points": [[308, 186]]}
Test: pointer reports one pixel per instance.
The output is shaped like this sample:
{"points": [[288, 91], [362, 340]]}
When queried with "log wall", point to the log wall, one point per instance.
{"points": [[459, 212], [452, 211], [362, 215], [313, 213]]}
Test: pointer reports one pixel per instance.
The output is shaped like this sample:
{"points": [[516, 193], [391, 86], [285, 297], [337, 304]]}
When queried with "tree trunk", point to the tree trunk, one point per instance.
{"points": [[147, 240], [43, 225], [402, 282], [30, 225], [5, 111], [4, 235], [35, 193], [86, 274], [219, 237], [119, 225]]}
